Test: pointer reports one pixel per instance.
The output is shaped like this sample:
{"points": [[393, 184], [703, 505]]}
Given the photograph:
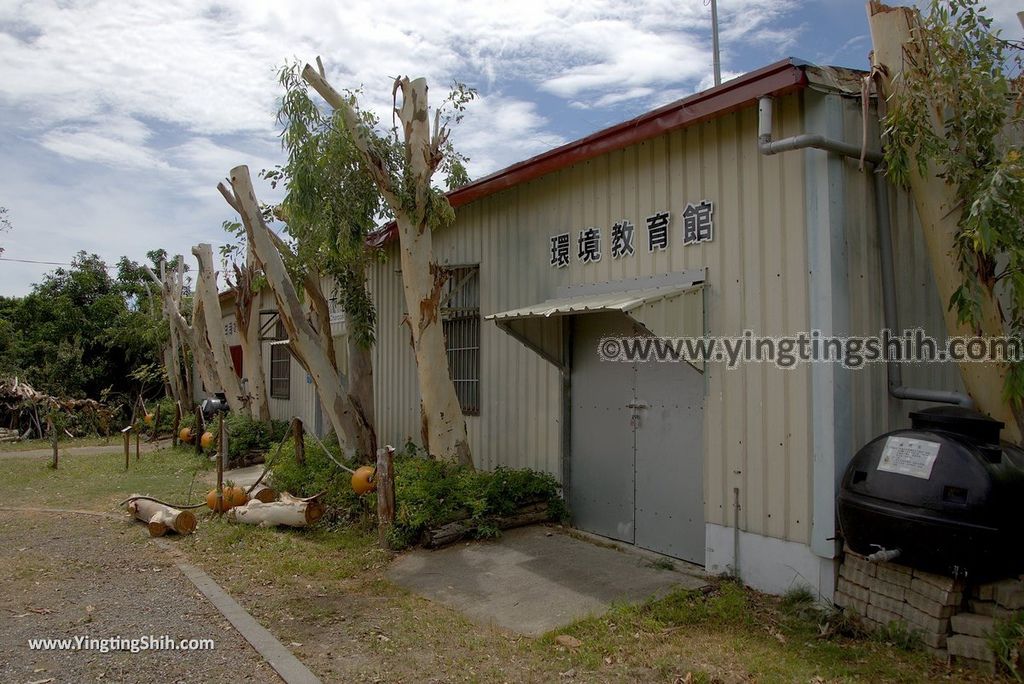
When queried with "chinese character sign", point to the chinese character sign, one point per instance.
{"points": [[560, 250], [622, 239], [697, 226], [589, 245], [697, 223], [657, 231]]}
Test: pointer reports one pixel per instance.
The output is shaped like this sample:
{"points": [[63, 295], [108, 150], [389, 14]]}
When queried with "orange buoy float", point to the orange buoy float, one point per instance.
{"points": [[236, 496], [206, 441], [211, 501], [185, 435], [362, 480]]}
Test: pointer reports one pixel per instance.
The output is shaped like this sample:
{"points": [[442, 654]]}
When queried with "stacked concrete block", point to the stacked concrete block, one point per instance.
{"points": [[989, 604], [882, 593]]}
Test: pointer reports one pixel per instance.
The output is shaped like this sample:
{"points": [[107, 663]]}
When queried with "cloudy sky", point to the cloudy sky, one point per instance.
{"points": [[117, 119]]}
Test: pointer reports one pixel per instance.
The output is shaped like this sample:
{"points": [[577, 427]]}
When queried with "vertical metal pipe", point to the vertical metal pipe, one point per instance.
{"points": [[736, 531], [717, 59]]}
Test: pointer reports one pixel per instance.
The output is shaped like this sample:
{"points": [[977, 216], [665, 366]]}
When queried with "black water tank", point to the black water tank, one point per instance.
{"points": [[947, 493]]}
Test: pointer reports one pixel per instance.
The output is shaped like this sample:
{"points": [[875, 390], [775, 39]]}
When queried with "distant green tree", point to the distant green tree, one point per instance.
{"points": [[81, 332]]}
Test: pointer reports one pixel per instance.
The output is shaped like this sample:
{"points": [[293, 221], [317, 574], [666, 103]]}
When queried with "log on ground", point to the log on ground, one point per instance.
{"points": [[452, 532], [288, 510], [161, 519]]}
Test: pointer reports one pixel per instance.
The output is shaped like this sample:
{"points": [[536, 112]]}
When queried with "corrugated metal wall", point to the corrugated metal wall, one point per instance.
{"points": [[918, 302], [756, 426]]}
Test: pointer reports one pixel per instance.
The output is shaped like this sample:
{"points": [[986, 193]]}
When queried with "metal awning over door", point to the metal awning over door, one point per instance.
{"points": [[667, 311]]}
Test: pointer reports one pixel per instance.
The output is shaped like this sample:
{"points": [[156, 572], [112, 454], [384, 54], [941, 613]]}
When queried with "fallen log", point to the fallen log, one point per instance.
{"points": [[452, 532], [160, 518], [288, 510]]}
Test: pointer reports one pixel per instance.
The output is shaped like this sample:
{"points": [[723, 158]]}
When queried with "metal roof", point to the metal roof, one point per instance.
{"points": [[625, 302]]}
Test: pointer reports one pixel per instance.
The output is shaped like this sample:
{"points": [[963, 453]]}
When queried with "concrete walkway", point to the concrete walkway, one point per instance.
{"points": [[534, 579]]}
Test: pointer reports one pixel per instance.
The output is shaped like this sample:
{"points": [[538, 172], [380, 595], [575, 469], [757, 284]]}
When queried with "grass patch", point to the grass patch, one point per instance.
{"points": [[324, 588], [99, 482], [1007, 641]]}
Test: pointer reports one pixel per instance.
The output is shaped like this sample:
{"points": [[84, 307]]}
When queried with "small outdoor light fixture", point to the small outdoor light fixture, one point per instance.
{"points": [[217, 404]]}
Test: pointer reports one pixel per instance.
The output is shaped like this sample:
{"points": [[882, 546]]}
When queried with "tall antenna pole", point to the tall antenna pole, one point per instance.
{"points": [[714, 43]]}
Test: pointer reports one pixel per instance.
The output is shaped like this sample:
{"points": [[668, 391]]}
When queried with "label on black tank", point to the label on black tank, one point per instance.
{"points": [[909, 456]]}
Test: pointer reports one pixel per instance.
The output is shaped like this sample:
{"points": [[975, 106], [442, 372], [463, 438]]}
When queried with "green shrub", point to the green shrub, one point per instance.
{"points": [[319, 474], [428, 493], [247, 434]]}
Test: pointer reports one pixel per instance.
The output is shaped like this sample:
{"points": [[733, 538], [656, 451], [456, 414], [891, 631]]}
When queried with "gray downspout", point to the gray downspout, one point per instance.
{"points": [[766, 145]]}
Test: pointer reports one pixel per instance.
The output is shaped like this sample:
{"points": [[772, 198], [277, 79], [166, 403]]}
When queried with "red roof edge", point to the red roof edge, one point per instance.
{"points": [[780, 78]]}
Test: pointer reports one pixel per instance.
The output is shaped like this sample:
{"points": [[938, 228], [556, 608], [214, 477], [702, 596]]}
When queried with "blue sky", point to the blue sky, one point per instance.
{"points": [[118, 119]]}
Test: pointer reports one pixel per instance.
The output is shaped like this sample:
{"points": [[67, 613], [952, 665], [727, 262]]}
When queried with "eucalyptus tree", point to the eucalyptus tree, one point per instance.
{"points": [[953, 133], [401, 162]]}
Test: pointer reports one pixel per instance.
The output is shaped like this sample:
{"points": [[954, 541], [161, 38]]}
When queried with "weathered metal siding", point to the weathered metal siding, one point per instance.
{"points": [[756, 429], [302, 401], [918, 303]]}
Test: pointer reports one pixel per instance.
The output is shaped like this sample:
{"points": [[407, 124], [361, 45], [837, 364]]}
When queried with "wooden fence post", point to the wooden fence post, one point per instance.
{"points": [[138, 436], [177, 424], [53, 441], [220, 468], [126, 433], [384, 477], [300, 444], [199, 430]]}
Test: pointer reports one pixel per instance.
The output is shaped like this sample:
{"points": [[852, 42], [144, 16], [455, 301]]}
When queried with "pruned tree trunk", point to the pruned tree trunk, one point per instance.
{"points": [[172, 350], [422, 278], [309, 337], [206, 290], [193, 335], [160, 518], [247, 318], [289, 510], [939, 210]]}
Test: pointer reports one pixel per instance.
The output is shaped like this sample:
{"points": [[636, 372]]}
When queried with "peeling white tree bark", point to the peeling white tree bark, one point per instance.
{"points": [[289, 510], [160, 518], [309, 336], [422, 279], [172, 351], [206, 290], [247, 318], [892, 31], [194, 336]]}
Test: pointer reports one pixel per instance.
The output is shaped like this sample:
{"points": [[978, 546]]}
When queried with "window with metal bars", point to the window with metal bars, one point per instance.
{"points": [[280, 365], [460, 316]]}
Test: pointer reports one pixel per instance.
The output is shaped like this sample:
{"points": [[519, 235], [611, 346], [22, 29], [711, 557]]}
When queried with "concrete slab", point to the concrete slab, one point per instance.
{"points": [[534, 579]]}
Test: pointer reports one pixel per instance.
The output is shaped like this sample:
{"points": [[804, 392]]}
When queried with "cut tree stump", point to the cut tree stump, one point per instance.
{"points": [[160, 518], [264, 494], [288, 510], [452, 532]]}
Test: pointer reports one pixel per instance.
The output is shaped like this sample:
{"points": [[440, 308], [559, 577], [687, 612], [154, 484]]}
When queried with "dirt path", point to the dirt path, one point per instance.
{"points": [[112, 448], [66, 575]]}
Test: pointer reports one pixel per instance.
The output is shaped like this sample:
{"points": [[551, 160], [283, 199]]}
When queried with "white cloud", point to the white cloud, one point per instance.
{"points": [[120, 118]]}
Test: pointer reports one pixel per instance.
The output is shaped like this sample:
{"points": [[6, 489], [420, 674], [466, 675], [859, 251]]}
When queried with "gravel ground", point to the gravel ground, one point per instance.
{"points": [[68, 575]]}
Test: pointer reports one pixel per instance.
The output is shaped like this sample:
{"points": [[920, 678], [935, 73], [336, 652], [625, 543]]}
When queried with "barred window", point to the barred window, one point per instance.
{"points": [[460, 315], [280, 365]]}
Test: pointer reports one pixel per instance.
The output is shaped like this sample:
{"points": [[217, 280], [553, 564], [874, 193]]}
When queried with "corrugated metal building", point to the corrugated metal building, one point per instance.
{"points": [[794, 249], [722, 467]]}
